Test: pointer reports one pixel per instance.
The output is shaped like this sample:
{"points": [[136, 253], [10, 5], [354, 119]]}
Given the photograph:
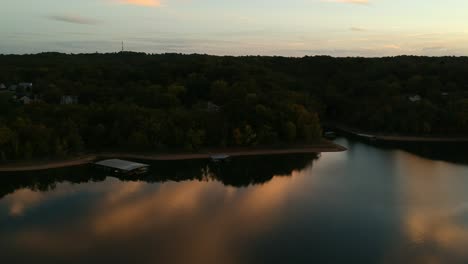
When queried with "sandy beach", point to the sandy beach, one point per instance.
{"points": [[82, 160]]}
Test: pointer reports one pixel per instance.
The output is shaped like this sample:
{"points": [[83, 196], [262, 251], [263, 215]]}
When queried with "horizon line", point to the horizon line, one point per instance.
{"points": [[230, 55]]}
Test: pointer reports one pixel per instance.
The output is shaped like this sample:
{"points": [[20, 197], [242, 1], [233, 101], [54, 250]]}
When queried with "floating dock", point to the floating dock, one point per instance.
{"points": [[122, 166], [219, 157]]}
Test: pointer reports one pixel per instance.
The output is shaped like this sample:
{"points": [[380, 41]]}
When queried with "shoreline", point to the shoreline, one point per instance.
{"points": [[206, 154], [397, 138]]}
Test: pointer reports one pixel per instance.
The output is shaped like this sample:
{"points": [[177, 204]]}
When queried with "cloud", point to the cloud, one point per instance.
{"points": [[74, 19], [360, 2], [151, 3], [434, 49], [357, 29], [162, 212], [391, 46]]}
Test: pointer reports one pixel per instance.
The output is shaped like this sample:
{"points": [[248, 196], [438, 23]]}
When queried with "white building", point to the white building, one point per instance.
{"points": [[415, 98], [69, 99], [25, 100], [25, 85], [211, 107]]}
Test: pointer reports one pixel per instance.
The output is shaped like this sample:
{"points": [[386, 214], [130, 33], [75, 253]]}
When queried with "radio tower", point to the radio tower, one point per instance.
{"points": [[122, 47]]}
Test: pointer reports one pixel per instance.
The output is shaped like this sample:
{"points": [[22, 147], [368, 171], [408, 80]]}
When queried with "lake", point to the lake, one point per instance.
{"points": [[367, 205]]}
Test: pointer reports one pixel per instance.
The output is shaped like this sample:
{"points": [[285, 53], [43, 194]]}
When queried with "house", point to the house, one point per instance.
{"points": [[25, 85], [13, 87], [415, 98], [2, 86], [211, 107], [25, 100], [69, 99]]}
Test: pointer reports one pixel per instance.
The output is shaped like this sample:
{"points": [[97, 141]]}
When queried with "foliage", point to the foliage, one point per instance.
{"points": [[142, 102], [139, 102]]}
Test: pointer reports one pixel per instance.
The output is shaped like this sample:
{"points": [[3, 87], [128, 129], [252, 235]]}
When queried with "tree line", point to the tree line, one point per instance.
{"points": [[166, 102]]}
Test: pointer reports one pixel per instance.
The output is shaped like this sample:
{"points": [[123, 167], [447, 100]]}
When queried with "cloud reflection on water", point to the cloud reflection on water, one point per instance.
{"points": [[206, 220], [435, 211], [367, 205]]}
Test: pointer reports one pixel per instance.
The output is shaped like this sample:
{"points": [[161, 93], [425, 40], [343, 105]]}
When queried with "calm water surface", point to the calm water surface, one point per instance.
{"points": [[366, 205]]}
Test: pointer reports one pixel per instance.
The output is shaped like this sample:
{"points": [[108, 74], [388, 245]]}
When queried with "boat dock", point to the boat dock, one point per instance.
{"points": [[122, 166], [219, 157]]}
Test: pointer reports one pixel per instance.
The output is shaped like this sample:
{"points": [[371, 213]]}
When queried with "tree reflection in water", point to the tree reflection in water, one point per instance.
{"points": [[237, 172]]}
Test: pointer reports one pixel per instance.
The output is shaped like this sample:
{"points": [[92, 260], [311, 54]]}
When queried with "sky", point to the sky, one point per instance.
{"points": [[369, 28]]}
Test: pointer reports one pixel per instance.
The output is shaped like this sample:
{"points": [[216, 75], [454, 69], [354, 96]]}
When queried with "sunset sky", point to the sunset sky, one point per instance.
{"points": [[237, 27]]}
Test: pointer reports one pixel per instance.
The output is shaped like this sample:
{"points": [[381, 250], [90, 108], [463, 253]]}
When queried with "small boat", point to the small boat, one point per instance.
{"points": [[219, 157]]}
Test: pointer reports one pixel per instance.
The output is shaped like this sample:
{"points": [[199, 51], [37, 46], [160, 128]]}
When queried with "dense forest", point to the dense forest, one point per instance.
{"points": [[141, 102]]}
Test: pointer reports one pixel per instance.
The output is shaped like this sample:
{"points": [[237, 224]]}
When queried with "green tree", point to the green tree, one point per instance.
{"points": [[7, 136], [290, 131]]}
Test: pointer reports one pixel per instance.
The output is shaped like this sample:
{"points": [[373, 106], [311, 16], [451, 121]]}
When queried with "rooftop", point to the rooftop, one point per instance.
{"points": [[122, 165]]}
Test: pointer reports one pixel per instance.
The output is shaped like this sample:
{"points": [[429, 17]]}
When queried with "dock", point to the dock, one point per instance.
{"points": [[122, 166], [219, 157]]}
